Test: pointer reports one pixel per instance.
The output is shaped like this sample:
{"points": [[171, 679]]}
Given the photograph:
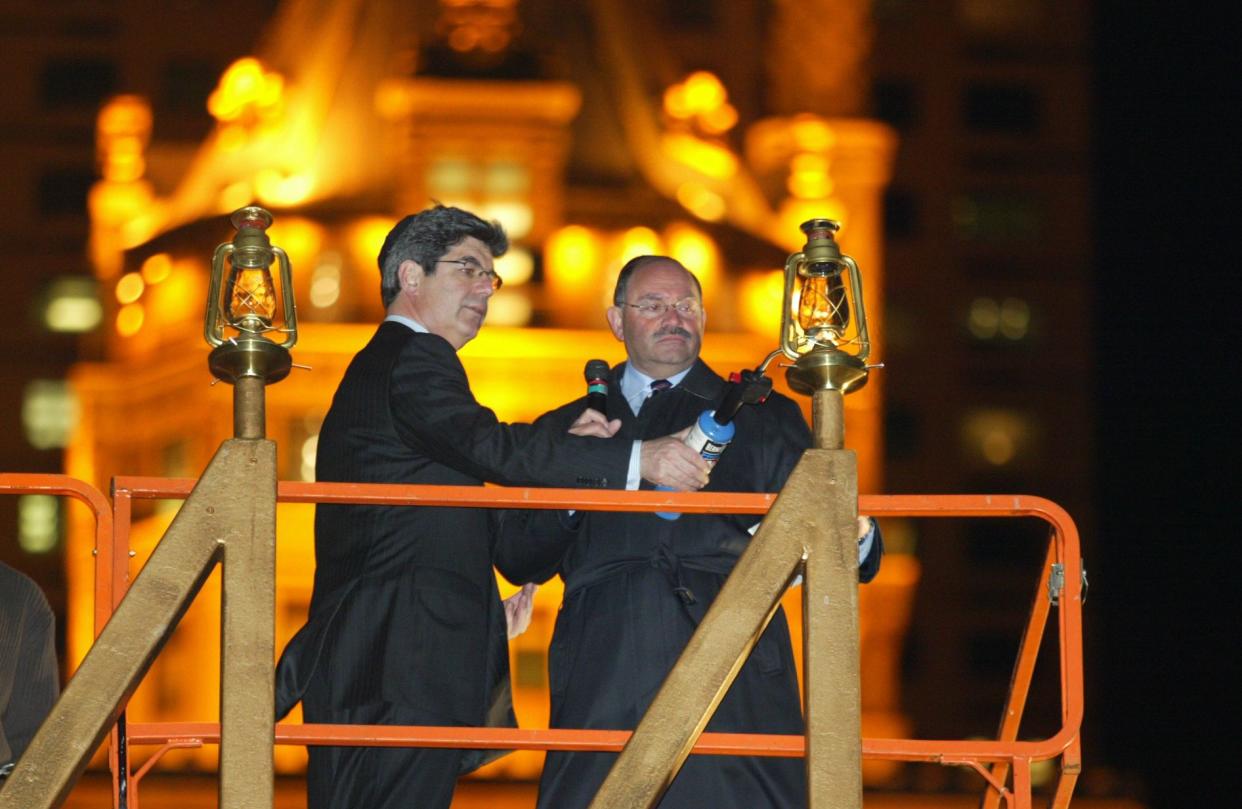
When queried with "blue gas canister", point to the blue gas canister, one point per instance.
{"points": [[709, 438]]}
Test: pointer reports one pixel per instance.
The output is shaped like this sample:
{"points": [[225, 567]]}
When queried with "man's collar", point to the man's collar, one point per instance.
{"points": [[698, 379], [408, 322], [634, 380]]}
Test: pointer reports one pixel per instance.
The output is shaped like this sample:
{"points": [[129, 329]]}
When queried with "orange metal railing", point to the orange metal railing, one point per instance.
{"points": [[1004, 763], [108, 588], [111, 558]]}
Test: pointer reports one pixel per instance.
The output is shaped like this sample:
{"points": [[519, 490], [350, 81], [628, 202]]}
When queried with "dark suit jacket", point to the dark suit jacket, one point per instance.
{"points": [[29, 677], [636, 587], [405, 612]]}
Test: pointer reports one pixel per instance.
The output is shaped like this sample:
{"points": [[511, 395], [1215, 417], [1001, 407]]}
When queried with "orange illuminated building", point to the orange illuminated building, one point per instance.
{"points": [[594, 130], [350, 117]]}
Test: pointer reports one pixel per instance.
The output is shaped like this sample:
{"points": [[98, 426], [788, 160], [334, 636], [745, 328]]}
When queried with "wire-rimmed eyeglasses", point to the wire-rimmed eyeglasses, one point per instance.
{"points": [[473, 271], [688, 307]]}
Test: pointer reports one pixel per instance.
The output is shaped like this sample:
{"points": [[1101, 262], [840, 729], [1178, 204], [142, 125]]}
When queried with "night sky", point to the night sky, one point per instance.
{"points": [[1163, 344]]}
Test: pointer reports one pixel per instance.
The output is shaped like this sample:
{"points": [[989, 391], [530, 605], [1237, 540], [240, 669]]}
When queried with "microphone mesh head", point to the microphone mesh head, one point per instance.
{"points": [[595, 369]]}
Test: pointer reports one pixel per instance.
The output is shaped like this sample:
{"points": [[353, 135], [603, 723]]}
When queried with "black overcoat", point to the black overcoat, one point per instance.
{"points": [[636, 587]]}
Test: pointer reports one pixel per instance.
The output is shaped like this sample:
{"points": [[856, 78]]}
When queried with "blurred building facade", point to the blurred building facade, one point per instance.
{"points": [[594, 131], [988, 239], [62, 61]]}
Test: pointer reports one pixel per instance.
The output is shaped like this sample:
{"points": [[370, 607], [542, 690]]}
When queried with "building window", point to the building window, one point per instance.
{"points": [[175, 458], [895, 12], [49, 413], [77, 82], [185, 86], [307, 451], [691, 15], [896, 103], [1001, 108], [325, 286], [63, 191], [298, 458], [901, 214], [1000, 17], [999, 320], [38, 523], [998, 438], [901, 432], [72, 305], [997, 217]]}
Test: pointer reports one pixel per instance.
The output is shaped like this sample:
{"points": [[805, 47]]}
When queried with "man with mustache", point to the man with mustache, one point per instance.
{"points": [[637, 586], [406, 626]]}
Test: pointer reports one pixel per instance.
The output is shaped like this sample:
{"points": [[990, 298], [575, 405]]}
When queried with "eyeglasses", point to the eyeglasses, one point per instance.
{"points": [[653, 309], [471, 270]]}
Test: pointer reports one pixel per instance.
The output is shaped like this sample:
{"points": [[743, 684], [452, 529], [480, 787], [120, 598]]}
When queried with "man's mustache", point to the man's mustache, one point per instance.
{"points": [[677, 330]]}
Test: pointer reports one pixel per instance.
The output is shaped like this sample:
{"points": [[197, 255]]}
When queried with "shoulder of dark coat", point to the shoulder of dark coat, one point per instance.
{"points": [[703, 382], [782, 405], [776, 405], [569, 411], [17, 590], [423, 341], [425, 347]]}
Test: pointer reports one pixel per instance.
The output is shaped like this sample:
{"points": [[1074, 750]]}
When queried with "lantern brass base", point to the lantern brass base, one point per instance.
{"points": [[255, 357], [827, 369]]}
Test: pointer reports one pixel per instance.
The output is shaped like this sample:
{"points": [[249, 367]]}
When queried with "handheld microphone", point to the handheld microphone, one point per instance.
{"points": [[596, 374]]}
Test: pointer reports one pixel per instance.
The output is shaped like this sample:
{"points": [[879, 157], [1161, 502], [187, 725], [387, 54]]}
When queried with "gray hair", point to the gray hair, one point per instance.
{"points": [[426, 236], [637, 263]]}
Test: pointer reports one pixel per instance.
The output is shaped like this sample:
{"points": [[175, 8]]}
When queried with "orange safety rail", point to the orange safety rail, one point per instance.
{"points": [[108, 590], [111, 558], [1005, 754]]}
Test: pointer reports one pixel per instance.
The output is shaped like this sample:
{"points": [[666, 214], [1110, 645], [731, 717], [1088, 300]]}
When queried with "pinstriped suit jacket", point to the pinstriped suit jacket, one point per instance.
{"points": [[405, 608]]}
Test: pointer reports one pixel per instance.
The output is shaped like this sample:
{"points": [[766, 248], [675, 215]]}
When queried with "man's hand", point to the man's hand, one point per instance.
{"points": [[668, 462], [594, 423], [518, 609]]}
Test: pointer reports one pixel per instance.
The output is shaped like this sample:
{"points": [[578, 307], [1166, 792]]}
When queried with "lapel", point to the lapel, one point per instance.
{"points": [[700, 388], [703, 383], [618, 408]]}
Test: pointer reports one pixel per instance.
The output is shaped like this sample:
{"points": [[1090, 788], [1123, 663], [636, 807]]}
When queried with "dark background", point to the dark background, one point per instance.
{"points": [[1160, 586]]}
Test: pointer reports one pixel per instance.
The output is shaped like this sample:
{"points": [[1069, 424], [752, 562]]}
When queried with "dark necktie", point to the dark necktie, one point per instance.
{"points": [[657, 386]]}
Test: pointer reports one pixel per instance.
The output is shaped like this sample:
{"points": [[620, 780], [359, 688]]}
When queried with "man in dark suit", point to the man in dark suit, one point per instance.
{"points": [[406, 624], [637, 586]]}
